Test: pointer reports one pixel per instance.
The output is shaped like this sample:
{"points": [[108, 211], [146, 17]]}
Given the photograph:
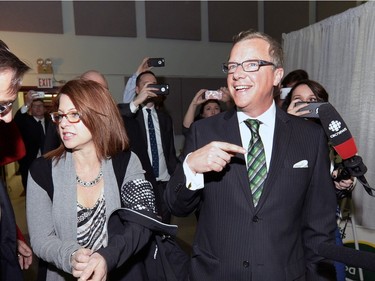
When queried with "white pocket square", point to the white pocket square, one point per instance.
{"points": [[301, 164]]}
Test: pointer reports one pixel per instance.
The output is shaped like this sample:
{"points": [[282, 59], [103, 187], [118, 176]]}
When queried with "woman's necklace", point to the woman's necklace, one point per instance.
{"points": [[90, 183]]}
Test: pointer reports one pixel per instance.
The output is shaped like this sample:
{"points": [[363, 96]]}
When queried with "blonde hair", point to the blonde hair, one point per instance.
{"points": [[275, 50]]}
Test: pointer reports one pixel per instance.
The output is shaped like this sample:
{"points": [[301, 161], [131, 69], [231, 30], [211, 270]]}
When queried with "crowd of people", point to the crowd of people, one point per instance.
{"points": [[102, 180]]}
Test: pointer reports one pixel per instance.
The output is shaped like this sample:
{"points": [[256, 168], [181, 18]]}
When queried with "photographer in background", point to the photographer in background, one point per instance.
{"points": [[33, 123], [310, 91], [129, 91], [207, 108], [157, 133]]}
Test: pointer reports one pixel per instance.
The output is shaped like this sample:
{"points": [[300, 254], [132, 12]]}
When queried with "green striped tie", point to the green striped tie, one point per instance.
{"points": [[256, 161]]}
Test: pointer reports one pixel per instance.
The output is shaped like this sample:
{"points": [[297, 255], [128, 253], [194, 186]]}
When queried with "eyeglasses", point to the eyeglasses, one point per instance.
{"points": [[6, 107], [72, 117], [247, 65]]}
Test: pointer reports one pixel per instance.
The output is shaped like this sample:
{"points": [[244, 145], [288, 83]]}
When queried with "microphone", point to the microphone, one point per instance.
{"points": [[342, 141], [337, 131], [348, 256]]}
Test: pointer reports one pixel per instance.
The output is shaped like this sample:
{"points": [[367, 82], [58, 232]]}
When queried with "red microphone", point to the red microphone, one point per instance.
{"points": [[342, 141], [337, 131]]}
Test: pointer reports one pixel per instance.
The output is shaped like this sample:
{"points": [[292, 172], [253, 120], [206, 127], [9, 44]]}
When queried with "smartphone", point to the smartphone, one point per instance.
{"points": [[212, 95], [156, 62], [38, 95], [313, 107], [163, 89]]}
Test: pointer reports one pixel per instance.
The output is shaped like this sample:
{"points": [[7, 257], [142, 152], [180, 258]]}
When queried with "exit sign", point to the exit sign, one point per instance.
{"points": [[45, 81]]}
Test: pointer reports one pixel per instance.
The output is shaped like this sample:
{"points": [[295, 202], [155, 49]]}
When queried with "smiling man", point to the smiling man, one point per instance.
{"points": [[260, 178], [12, 70]]}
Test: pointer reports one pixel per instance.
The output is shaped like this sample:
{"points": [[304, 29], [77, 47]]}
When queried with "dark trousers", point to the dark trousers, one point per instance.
{"points": [[165, 214]]}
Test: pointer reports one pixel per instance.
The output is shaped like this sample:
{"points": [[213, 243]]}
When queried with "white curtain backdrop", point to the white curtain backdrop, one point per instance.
{"points": [[339, 53]]}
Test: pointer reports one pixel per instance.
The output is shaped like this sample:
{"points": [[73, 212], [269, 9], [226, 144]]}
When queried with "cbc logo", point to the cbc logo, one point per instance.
{"points": [[334, 126]]}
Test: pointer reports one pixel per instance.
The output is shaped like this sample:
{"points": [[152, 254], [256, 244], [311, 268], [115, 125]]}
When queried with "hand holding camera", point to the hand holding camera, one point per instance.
{"points": [[213, 95], [143, 66], [32, 95], [145, 93]]}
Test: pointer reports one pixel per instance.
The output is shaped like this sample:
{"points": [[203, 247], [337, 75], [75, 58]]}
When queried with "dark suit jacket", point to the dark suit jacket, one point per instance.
{"points": [[166, 129], [277, 240], [9, 266], [30, 131]]}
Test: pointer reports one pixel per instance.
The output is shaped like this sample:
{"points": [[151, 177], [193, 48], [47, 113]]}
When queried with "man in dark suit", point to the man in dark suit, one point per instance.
{"points": [[142, 108], [263, 229], [32, 127], [12, 255]]}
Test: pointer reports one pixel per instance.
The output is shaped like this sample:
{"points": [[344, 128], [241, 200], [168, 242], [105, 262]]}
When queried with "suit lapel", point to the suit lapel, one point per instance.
{"points": [[231, 132], [281, 139], [141, 121]]}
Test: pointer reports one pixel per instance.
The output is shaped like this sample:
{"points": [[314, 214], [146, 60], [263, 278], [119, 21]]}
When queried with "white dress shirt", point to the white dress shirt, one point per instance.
{"points": [[163, 170], [266, 131]]}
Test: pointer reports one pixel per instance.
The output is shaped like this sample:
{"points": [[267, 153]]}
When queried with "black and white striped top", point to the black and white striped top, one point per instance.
{"points": [[91, 225]]}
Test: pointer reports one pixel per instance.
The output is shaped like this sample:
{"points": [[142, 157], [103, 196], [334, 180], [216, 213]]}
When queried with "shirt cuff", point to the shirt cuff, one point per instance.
{"points": [[24, 109], [133, 108], [193, 181]]}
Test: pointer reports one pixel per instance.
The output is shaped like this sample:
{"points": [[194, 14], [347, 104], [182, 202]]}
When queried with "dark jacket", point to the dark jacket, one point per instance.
{"points": [[9, 266], [166, 131], [142, 248], [276, 239]]}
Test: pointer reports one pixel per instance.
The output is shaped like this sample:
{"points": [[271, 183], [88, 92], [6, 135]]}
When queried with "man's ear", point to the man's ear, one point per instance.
{"points": [[278, 75]]}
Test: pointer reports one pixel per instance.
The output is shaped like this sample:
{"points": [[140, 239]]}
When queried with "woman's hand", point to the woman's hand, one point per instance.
{"points": [[293, 108], [347, 184]]}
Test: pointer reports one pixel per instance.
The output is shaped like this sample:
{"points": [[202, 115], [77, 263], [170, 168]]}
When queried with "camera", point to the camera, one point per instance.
{"points": [[212, 95], [156, 62], [162, 89], [38, 95], [343, 174]]}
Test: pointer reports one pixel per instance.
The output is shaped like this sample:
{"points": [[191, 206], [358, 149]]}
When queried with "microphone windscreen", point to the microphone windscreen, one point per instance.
{"points": [[337, 131], [348, 256], [138, 195]]}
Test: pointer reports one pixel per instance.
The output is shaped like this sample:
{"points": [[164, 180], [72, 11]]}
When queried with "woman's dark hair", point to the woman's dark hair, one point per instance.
{"points": [[9, 61], [294, 77], [201, 109], [141, 74], [318, 90]]}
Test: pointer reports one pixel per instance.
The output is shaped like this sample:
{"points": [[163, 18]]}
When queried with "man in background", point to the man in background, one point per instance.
{"points": [[157, 133], [33, 124]]}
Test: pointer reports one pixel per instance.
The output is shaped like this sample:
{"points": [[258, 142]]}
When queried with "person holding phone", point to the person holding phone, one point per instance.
{"points": [[129, 91], [207, 108], [302, 94], [157, 133]]}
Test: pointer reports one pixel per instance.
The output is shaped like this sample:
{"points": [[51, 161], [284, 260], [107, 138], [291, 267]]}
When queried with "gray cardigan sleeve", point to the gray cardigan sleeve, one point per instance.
{"points": [[134, 169], [44, 240], [53, 227]]}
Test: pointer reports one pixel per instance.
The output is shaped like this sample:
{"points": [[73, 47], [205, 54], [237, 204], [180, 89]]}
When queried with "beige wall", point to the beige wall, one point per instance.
{"points": [[114, 57], [117, 57]]}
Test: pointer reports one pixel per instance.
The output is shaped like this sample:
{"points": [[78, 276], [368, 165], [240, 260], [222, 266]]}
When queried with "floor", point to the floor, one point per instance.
{"points": [[184, 236]]}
